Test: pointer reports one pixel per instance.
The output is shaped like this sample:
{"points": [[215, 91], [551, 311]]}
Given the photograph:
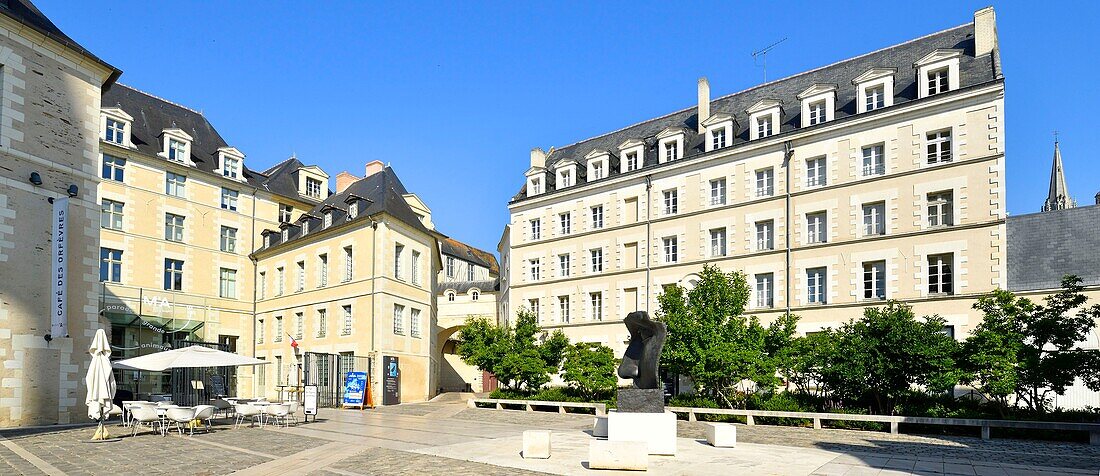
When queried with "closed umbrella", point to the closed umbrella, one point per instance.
{"points": [[185, 357], [101, 383]]}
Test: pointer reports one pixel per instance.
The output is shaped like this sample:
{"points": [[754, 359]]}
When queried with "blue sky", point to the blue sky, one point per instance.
{"points": [[455, 95]]}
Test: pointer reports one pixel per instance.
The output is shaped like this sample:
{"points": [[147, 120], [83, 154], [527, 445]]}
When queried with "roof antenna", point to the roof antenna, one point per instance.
{"points": [[763, 55]]}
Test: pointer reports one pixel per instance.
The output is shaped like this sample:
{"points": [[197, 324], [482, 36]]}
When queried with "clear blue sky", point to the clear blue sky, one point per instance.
{"points": [[455, 95]]}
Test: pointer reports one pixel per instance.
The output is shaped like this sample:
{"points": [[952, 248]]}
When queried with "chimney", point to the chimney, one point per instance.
{"points": [[343, 179], [985, 31], [538, 157], [704, 102], [374, 167], [1098, 198]]}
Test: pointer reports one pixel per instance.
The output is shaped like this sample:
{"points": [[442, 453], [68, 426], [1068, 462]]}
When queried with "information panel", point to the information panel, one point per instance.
{"points": [[310, 401], [391, 380], [355, 389]]}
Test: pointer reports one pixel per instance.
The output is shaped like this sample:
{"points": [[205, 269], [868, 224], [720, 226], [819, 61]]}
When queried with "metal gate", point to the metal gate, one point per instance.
{"points": [[328, 371], [195, 386]]}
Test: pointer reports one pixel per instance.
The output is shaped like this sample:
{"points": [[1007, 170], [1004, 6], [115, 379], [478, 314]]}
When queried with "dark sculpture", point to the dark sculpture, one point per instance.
{"points": [[647, 337]]}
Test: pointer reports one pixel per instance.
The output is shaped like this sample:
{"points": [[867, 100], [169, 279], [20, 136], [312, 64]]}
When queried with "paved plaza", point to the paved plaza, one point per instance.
{"points": [[450, 439]]}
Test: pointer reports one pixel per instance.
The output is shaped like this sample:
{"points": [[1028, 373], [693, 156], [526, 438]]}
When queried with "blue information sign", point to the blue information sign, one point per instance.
{"points": [[355, 389]]}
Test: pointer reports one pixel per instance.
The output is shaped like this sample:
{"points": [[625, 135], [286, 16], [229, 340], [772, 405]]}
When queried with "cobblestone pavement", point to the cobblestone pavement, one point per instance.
{"points": [[382, 461]]}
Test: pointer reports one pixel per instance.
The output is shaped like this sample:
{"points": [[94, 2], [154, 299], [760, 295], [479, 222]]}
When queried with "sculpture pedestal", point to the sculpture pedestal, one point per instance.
{"points": [[641, 400], [657, 430]]}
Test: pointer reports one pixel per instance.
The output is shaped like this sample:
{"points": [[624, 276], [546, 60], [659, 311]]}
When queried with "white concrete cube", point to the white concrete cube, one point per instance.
{"points": [[599, 427], [536, 444], [656, 429], [628, 455], [722, 435]]}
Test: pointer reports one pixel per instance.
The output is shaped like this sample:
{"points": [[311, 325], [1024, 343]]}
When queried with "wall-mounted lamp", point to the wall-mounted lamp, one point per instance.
{"points": [[36, 178], [73, 190]]}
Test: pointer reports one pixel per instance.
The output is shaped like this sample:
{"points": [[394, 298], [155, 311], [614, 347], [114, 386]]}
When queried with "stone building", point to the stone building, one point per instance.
{"points": [[49, 103], [468, 288], [877, 177]]}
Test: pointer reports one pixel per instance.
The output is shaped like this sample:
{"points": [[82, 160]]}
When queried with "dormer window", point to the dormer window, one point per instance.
{"points": [[631, 153], [938, 81], [874, 89], [631, 161], [764, 117], [717, 139], [672, 151], [818, 104], [328, 219], [565, 179], [536, 186], [938, 72], [305, 226], [177, 150], [817, 112], [597, 171], [231, 163], [353, 210], [115, 124], [566, 173], [267, 240], [874, 98], [231, 167], [116, 131], [670, 144], [598, 164], [313, 187], [763, 127], [286, 234], [719, 131]]}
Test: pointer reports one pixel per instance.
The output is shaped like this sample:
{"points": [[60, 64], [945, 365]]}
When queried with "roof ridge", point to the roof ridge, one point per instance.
{"points": [[768, 83], [271, 169], [154, 96]]}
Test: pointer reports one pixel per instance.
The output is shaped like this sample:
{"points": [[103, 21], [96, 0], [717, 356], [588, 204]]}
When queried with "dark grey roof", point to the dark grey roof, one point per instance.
{"points": [[282, 179], [462, 251], [23, 11], [1043, 247], [463, 287], [972, 71]]}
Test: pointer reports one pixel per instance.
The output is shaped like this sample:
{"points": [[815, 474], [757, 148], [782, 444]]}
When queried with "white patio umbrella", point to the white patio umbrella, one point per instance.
{"points": [[101, 383], [184, 357]]}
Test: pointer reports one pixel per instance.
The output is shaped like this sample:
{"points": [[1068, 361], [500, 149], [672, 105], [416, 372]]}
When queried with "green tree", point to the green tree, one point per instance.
{"points": [[1031, 351], [522, 357], [806, 361], [590, 369], [710, 339]]}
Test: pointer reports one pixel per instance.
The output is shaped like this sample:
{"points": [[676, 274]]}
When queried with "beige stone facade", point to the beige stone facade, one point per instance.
{"points": [[469, 287]]}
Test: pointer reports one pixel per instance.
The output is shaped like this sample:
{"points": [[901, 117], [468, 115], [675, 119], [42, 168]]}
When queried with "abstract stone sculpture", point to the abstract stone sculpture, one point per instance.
{"points": [[647, 338]]}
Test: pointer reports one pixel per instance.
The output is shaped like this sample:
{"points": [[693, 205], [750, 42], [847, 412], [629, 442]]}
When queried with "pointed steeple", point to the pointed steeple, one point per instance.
{"points": [[1058, 197]]}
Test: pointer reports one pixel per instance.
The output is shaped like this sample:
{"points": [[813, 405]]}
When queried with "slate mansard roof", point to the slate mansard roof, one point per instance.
{"points": [[972, 71], [23, 11], [1045, 246], [462, 251]]}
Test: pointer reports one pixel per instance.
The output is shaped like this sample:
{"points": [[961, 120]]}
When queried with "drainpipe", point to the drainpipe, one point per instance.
{"points": [[255, 284], [788, 154], [648, 239], [373, 321]]}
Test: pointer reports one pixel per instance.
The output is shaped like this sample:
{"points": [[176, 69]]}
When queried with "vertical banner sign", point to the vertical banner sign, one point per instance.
{"points": [[391, 381], [59, 324], [310, 401], [355, 387]]}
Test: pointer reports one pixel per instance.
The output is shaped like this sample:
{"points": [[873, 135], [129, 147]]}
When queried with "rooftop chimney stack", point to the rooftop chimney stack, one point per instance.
{"points": [[343, 180], [374, 167], [985, 31], [538, 157], [704, 102]]}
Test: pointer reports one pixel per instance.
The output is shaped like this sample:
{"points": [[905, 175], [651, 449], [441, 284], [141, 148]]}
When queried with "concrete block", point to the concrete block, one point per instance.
{"points": [[658, 430], [722, 435], [623, 455], [536, 444], [599, 427]]}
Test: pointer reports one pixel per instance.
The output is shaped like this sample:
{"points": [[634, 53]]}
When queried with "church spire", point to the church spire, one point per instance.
{"points": [[1058, 197]]}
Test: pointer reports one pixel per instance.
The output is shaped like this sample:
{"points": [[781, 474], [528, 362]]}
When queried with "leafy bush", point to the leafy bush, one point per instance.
{"points": [[778, 402], [589, 369]]}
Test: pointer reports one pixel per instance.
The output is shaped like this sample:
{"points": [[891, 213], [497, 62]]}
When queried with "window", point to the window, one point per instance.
{"points": [[874, 160], [414, 323], [286, 234], [260, 338], [938, 81], [450, 296], [563, 308], [349, 264], [815, 172], [322, 270], [114, 168], [450, 267], [229, 239], [285, 212], [470, 268], [474, 295], [815, 227], [874, 219], [595, 306], [177, 150], [231, 167], [227, 283], [563, 265], [313, 187], [175, 185], [597, 170], [110, 265], [671, 246], [398, 319], [765, 182], [415, 267], [763, 126], [672, 151], [875, 97], [564, 223], [536, 186], [718, 191], [817, 113], [940, 274], [173, 274], [328, 219], [280, 279], [535, 269], [874, 280], [116, 132], [533, 305], [631, 161], [111, 214], [301, 278], [597, 259], [173, 227], [279, 338], [815, 285], [322, 322], [263, 285], [398, 254], [565, 178], [671, 202], [764, 284], [353, 210], [718, 138], [940, 209], [939, 147], [597, 217], [536, 229], [229, 199], [718, 242], [765, 235], [345, 330]]}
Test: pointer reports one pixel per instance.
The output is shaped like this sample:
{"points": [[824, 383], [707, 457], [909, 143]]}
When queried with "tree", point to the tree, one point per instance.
{"points": [[522, 357], [590, 369], [1030, 351], [710, 339], [806, 361]]}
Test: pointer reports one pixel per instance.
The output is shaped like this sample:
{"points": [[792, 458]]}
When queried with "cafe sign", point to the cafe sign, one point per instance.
{"points": [[59, 323]]}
